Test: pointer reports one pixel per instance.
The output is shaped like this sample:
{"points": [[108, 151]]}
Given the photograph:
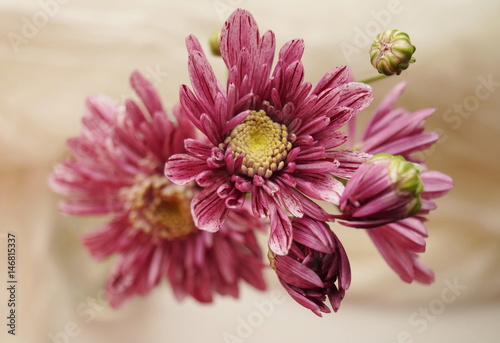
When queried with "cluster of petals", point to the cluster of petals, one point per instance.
{"points": [[398, 132], [116, 168], [383, 190], [309, 119], [187, 196], [315, 268]]}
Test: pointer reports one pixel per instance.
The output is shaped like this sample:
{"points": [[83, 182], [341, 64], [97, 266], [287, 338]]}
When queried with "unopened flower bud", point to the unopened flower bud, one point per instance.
{"points": [[214, 42], [383, 190], [316, 267], [391, 52]]}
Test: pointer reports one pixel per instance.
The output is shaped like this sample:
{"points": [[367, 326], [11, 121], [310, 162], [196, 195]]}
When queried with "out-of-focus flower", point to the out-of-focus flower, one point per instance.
{"points": [[391, 52], [399, 132], [270, 134], [116, 167], [315, 268], [383, 190]]}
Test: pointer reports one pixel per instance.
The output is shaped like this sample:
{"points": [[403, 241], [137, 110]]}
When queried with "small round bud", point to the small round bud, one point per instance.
{"points": [[214, 42], [391, 52]]}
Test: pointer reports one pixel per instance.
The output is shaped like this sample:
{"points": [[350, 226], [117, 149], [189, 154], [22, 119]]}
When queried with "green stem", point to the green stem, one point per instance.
{"points": [[373, 78]]}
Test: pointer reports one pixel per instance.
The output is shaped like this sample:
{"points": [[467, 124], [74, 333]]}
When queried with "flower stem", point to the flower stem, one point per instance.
{"points": [[373, 78]]}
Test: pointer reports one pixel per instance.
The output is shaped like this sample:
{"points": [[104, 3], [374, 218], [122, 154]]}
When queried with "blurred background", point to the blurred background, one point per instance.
{"points": [[54, 53]]}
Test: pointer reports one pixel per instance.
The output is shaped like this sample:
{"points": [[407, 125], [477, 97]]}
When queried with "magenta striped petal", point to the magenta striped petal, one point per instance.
{"points": [[208, 209], [349, 161], [296, 274], [183, 169], [356, 96], [394, 255], [316, 167], [205, 84], [280, 237], [320, 186], [332, 79], [239, 32]]}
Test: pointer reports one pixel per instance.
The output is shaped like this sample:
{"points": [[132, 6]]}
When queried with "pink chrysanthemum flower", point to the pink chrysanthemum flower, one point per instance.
{"points": [[383, 190], [315, 268], [270, 134], [398, 132], [116, 168]]}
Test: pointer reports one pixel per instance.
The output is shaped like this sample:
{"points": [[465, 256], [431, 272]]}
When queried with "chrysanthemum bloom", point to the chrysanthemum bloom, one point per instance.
{"points": [[315, 268], [399, 132], [383, 190], [116, 168], [270, 134]]}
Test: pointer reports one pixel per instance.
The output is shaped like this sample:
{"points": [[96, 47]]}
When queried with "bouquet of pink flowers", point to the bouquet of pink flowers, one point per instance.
{"points": [[190, 192]]}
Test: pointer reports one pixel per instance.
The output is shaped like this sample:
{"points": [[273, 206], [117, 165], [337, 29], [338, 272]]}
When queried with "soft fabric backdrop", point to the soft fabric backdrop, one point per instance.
{"points": [[91, 46]]}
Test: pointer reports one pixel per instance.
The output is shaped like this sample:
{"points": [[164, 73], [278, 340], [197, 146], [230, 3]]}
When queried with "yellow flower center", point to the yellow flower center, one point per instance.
{"points": [[263, 142], [160, 208]]}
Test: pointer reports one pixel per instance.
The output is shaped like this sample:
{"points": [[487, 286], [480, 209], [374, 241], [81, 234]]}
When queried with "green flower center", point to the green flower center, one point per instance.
{"points": [[263, 142]]}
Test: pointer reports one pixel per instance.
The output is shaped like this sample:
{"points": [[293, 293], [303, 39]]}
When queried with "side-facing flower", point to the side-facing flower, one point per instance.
{"points": [[398, 132], [383, 190], [315, 268], [116, 167], [271, 135]]}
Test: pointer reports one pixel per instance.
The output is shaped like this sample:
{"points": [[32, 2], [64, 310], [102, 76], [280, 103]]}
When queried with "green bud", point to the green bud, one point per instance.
{"points": [[214, 42], [391, 52], [405, 178]]}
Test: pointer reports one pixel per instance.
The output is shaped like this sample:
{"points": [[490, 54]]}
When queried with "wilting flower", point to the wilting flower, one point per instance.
{"points": [[270, 133], [116, 167], [399, 132], [391, 52], [315, 268], [383, 190]]}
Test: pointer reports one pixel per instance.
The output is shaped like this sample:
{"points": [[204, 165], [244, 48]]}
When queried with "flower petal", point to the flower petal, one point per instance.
{"points": [[208, 209], [183, 169]]}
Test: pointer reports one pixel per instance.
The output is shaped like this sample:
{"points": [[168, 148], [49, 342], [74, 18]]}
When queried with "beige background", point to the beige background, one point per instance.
{"points": [[91, 46]]}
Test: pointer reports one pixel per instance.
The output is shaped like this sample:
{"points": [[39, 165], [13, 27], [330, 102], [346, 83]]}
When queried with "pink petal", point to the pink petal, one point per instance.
{"points": [[208, 209], [240, 31], [146, 92], [355, 95], [436, 184], [205, 84], [320, 186], [332, 79], [385, 106], [280, 237], [296, 274], [183, 169]]}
